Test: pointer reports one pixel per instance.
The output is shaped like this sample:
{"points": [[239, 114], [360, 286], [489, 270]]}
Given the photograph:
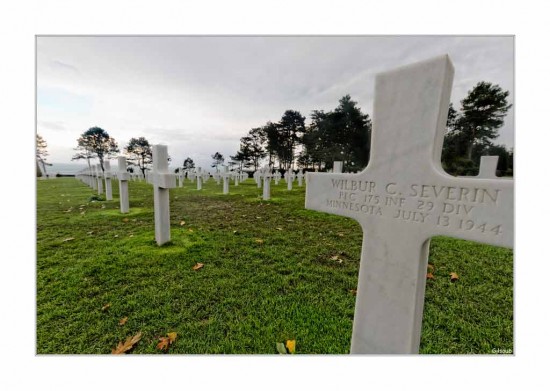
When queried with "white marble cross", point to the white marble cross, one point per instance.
{"points": [[225, 179], [179, 177], [199, 178], [216, 177], [277, 176], [123, 178], [289, 177], [99, 176], [93, 177], [300, 177], [266, 176], [258, 178], [488, 167], [162, 181], [108, 185], [402, 199]]}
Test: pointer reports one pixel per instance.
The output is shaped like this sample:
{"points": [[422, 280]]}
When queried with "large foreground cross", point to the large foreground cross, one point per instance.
{"points": [[402, 199]]}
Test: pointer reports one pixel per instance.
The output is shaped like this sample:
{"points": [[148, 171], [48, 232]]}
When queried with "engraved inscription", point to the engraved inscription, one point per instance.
{"points": [[416, 203]]}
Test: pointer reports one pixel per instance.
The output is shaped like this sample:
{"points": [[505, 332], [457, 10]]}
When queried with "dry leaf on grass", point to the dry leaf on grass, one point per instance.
{"points": [[172, 336], [336, 258], [431, 267], [68, 239], [353, 291], [291, 346], [279, 228], [429, 276], [123, 321], [259, 241], [198, 266], [165, 342], [454, 277], [182, 222], [127, 345], [125, 219], [106, 307]]}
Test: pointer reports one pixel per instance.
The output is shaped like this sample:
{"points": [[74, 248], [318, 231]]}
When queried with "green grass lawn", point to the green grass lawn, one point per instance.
{"points": [[268, 276]]}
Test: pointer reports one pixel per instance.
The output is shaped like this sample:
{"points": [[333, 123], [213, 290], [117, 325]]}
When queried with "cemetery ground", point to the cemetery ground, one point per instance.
{"points": [[272, 271]]}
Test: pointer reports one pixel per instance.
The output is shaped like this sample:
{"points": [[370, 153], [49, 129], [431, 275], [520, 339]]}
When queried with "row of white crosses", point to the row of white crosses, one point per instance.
{"points": [[161, 179], [94, 177], [403, 198]]}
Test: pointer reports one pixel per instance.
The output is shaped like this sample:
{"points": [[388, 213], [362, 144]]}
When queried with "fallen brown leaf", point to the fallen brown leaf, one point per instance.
{"points": [[279, 228], [259, 241], [182, 222], [127, 345], [198, 266], [123, 321], [431, 267], [454, 277], [353, 291], [106, 307], [429, 276], [165, 342]]}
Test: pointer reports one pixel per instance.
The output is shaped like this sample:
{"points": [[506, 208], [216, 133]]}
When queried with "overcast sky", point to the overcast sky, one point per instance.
{"points": [[200, 95]]}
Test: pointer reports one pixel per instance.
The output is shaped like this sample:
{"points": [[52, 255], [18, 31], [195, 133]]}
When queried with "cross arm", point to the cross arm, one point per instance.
{"points": [[163, 180], [348, 195], [474, 209]]}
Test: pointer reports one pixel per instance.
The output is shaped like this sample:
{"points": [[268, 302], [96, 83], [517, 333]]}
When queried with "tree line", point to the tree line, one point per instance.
{"points": [[341, 134], [344, 134]]}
